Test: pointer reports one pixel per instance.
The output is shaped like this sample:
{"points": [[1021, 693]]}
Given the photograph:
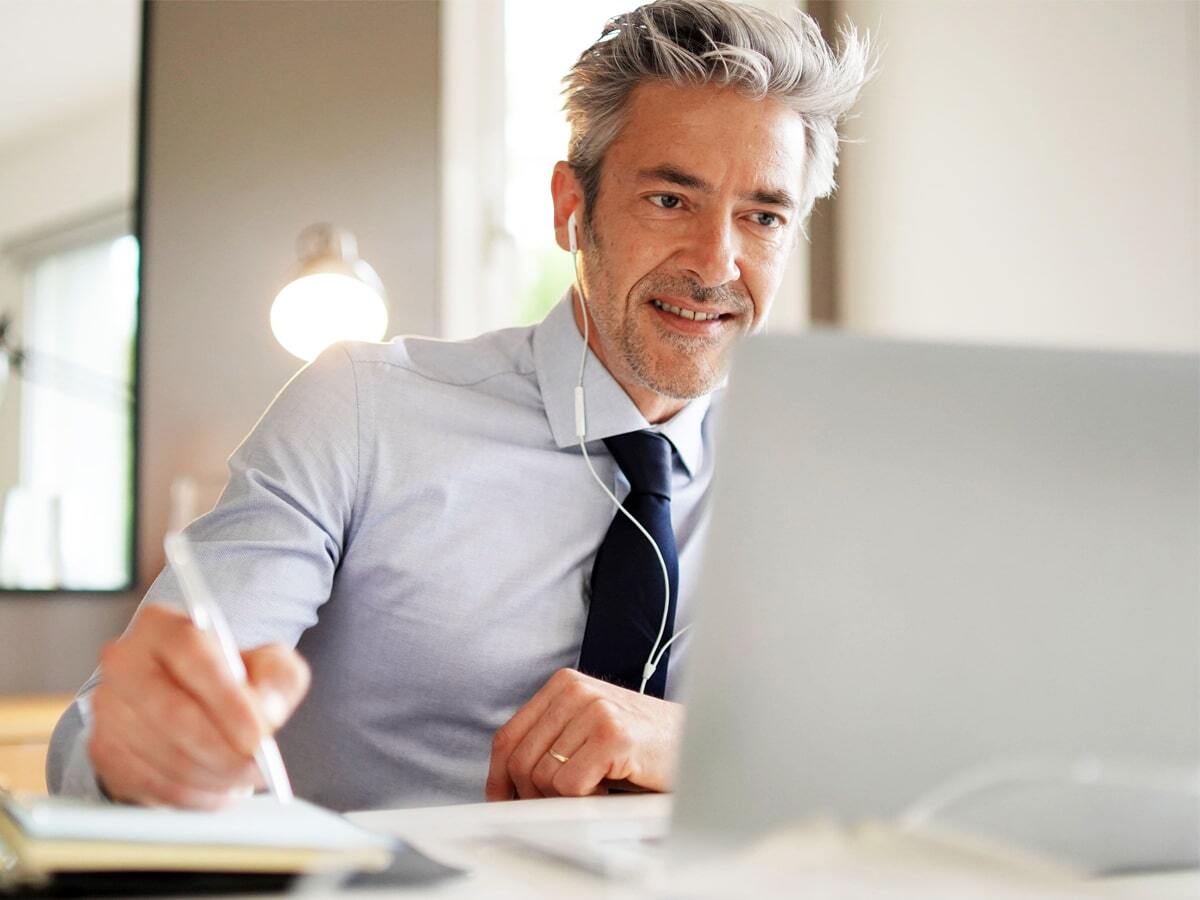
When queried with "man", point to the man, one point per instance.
{"points": [[418, 519]]}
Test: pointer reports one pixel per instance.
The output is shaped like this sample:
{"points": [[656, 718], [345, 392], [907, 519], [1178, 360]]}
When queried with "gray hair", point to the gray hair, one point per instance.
{"points": [[690, 42]]}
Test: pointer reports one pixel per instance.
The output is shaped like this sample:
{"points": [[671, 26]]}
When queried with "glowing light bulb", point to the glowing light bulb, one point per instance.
{"points": [[333, 296], [315, 311]]}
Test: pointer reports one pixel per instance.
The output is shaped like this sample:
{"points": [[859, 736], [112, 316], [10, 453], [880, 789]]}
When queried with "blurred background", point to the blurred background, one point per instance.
{"points": [[1018, 172]]}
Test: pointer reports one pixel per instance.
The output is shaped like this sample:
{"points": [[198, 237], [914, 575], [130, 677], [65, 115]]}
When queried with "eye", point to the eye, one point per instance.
{"points": [[665, 201], [767, 220]]}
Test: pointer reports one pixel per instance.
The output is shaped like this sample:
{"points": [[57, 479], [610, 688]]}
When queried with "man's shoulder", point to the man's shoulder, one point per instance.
{"points": [[490, 356]]}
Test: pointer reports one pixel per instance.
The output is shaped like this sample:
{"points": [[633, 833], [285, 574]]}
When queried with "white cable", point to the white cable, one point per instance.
{"points": [[651, 661], [663, 649], [656, 654]]}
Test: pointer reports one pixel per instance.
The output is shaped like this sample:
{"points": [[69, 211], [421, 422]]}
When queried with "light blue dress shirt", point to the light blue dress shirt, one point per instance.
{"points": [[417, 519]]}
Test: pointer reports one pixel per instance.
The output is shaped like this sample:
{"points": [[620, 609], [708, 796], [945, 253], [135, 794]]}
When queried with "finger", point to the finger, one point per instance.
{"points": [[127, 775], [571, 699], [194, 662], [180, 743], [499, 784], [180, 721], [546, 769], [521, 762], [171, 714], [577, 777], [193, 749], [586, 772], [168, 714], [566, 744], [150, 787], [604, 751], [279, 677]]}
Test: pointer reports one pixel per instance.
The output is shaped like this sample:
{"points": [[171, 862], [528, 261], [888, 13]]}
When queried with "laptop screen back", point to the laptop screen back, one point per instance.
{"points": [[935, 561]]}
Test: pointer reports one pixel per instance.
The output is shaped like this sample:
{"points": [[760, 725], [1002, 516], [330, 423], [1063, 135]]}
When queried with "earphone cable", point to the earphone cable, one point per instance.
{"points": [[656, 653]]}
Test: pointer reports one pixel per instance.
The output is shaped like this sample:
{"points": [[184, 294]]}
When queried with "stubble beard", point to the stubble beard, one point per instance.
{"points": [[694, 369]]}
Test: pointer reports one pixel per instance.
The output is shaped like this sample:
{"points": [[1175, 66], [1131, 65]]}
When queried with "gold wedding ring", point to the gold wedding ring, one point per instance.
{"points": [[558, 756]]}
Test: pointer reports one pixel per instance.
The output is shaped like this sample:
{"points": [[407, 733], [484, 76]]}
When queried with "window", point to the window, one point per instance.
{"points": [[543, 40], [68, 521]]}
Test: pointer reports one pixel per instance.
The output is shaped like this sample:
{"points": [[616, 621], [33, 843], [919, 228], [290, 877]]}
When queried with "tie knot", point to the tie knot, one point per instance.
{"points": [[645, 458]]}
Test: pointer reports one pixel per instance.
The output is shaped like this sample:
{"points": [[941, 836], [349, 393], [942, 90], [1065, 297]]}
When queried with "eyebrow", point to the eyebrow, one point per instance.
{"points": [[682, 178]]}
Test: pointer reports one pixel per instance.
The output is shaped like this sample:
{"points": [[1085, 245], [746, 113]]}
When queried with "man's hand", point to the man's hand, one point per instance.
{"points": [[169, 723], [606, 733]]}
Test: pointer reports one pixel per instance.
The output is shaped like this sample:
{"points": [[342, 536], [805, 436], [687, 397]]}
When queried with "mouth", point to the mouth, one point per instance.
{"points": [[694, 315], [689, 318]]}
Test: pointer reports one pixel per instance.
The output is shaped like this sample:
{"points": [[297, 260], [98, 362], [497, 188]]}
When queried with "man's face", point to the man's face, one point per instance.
{"points": [[696, 215]]}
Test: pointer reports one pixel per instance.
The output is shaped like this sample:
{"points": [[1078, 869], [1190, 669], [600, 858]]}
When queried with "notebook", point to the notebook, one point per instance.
{"points": [[63, 844]]}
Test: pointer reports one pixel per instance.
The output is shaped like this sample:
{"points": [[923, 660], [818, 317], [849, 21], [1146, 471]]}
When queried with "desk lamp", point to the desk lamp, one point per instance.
{"points": [[332, 295]]}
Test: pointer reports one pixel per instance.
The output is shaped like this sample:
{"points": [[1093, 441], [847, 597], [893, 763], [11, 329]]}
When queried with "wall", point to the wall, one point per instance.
{"points": [[1028, 172], [262, 118]]}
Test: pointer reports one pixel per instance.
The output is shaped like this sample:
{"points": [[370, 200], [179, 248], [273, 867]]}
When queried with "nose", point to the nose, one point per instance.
{"points": [[712, 253]]}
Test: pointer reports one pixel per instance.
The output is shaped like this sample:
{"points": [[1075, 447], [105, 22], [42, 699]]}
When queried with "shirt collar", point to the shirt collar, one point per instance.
{"points": [[557, 345]]}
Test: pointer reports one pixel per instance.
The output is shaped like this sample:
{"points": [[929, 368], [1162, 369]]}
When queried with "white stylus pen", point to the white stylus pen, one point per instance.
{"points": [[206, 616]]}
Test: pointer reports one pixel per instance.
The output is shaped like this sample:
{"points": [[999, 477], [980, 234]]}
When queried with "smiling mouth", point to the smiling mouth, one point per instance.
{"points": [[689, 314]]}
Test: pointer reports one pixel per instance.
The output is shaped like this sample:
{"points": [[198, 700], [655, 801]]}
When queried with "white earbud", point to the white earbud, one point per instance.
{"points": [[572, 241]]}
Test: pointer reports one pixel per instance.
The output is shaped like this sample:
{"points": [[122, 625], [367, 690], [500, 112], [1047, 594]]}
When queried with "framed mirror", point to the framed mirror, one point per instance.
{"points": [[69, 276]]}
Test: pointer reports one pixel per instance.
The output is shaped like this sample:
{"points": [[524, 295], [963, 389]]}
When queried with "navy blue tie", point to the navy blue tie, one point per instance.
{"points": [[626, 605]]}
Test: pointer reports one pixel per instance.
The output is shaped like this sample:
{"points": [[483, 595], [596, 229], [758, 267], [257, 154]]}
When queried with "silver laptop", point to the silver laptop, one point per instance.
{"points": [[948, 586], [956, 585]]}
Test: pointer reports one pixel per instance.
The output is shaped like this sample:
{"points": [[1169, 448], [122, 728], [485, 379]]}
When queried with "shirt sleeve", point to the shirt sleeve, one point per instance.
{"points": [[271, 545]]}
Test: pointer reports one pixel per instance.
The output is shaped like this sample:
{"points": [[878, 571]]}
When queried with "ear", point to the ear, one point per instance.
{"points": [[568, 198]]}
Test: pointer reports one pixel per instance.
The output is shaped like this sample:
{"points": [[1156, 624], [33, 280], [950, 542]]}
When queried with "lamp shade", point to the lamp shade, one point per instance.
{"points": [[331, 296]]}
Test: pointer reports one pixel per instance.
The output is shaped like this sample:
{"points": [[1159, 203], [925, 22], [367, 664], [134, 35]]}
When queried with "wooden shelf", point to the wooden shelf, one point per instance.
{"points": [[26, 723], [30, 718]]}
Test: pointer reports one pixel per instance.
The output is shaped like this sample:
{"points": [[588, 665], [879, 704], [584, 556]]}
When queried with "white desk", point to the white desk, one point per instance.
{"points": [[472, 837]]}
